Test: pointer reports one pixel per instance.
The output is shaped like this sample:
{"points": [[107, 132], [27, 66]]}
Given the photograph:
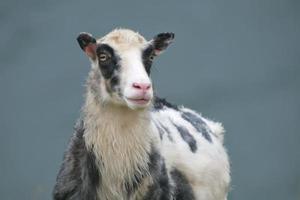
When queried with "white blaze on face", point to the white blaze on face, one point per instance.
{"points": [[133, 72]]}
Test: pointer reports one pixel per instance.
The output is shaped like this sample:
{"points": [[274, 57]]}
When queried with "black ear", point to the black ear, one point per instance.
{"points": [[88, 44], [161, 41]]}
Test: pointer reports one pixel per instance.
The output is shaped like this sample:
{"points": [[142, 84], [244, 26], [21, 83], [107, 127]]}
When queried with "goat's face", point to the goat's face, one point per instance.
{"points": [[123, 59]]}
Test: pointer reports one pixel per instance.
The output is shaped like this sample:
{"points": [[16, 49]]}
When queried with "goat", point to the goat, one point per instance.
{"points": [[132, 145]]}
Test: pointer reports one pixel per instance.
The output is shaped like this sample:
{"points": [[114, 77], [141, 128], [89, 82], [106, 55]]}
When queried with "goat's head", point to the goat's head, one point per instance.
{"points": [[121, 61]]}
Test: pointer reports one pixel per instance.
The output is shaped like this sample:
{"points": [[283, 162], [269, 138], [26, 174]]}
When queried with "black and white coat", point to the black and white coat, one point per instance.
{"points": [[138, 151]]}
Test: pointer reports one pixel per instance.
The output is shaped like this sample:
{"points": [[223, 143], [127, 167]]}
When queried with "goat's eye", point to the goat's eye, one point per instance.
{"points": [[103, 57]]}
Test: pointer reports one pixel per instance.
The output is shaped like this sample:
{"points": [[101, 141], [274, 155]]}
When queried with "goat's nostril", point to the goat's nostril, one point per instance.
{"points": [[136, 85], [141, 86]]}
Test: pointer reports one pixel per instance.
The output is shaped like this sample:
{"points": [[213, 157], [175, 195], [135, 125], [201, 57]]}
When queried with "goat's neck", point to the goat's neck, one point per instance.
{"points": [[114, 119], [121, 138]]}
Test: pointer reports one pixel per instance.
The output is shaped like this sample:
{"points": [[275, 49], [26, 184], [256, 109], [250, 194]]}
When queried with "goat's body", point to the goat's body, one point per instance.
{"points": [[167, 153], [131, 146]]}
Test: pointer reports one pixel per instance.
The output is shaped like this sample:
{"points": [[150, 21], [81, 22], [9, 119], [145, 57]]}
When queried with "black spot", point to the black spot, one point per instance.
{"points": [[198, 123], [119, 92], [187, 137], [159, 104], [154, 160], [147, 58], [167, 131], [135, 181], [79, 176], [161, 188], [164, 182], [114, 82], [111, 65], [109, 68], [160, 130], [183, 190]]}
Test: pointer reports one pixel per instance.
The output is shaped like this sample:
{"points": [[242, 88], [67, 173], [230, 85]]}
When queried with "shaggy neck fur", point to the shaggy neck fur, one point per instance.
{"points": [[121, 140]]}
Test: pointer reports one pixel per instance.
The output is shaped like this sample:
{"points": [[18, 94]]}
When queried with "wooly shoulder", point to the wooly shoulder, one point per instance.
{"points": [[130, 144]]}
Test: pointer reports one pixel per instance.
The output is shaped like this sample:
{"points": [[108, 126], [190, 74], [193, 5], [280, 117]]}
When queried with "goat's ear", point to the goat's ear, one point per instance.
{"points": [[88, 44], [161, 41]]}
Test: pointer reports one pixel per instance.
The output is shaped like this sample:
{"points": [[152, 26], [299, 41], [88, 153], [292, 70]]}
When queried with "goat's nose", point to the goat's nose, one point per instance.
{"points": [[142, 86]]}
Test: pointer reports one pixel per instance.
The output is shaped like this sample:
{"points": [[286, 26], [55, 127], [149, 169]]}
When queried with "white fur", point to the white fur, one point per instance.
{"points": [[120, 138], [133, 72], [208, 169]]}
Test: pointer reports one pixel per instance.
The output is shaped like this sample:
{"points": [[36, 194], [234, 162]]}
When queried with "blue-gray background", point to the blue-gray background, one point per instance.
{"points": [[235, 61]]}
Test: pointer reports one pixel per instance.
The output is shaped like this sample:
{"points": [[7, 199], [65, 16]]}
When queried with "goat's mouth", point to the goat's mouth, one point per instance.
{"points": [[140, 101]]}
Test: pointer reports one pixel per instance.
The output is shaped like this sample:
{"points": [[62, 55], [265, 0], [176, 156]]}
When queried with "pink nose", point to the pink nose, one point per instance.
{"points": [[142, 86]]}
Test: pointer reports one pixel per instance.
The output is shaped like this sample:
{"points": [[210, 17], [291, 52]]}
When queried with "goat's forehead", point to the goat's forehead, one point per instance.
{"points": [[123, 40]]}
